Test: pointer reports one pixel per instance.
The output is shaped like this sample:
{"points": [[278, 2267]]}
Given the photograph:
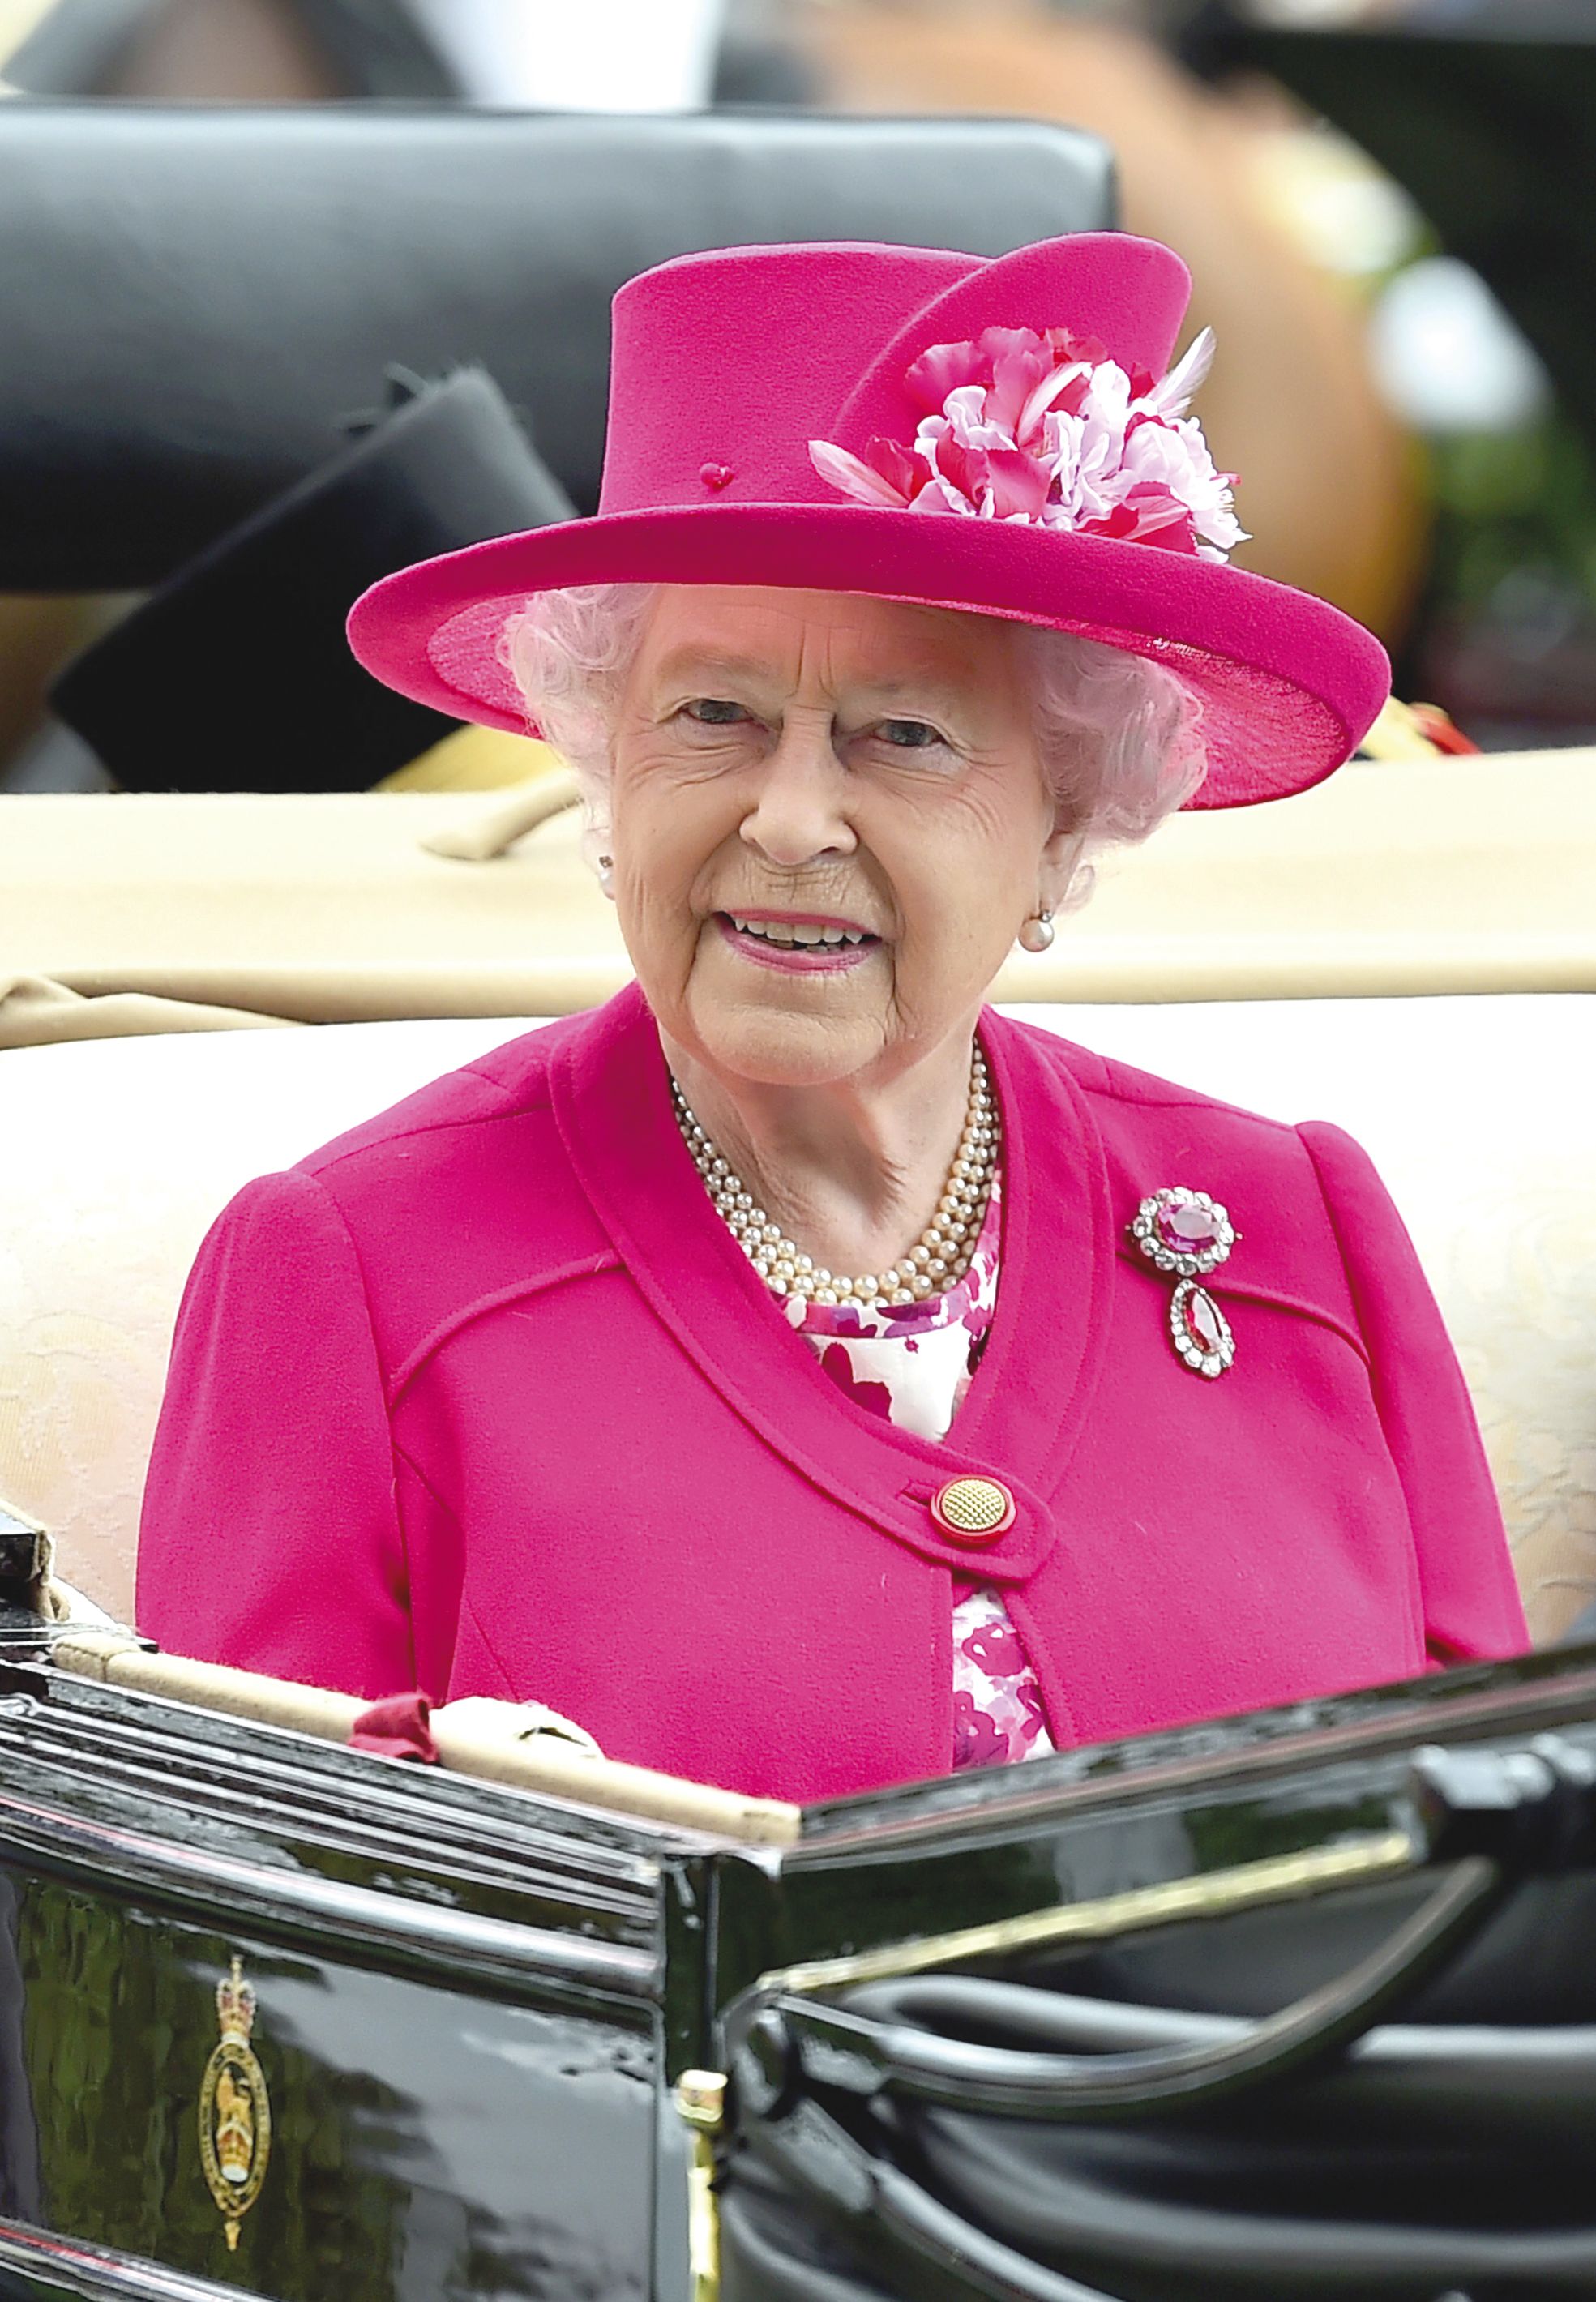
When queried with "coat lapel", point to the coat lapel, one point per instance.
{"points": [[1026, 1405]]}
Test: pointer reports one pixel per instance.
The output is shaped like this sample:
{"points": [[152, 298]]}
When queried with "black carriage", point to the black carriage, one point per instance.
{"points": [[1296, 2004]]}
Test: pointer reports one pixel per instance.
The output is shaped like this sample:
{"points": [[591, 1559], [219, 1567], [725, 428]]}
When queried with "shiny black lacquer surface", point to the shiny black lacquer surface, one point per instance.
{"points": [[39, 2266], [456, 2010], [424, 2141], [426, 1867], [472, 2002], [969, 1849]]}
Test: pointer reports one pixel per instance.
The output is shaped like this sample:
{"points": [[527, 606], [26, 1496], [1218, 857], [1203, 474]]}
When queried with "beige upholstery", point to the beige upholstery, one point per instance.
{"points": [[1440, 875], [115, 1154]]}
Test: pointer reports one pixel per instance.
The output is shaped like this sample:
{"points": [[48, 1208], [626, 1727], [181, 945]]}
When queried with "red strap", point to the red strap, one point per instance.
{"points": [[1436, 724], [396, 1728]]}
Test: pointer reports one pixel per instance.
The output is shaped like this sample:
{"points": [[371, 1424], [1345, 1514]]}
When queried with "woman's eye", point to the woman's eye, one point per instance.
{"points": [[908, 735], [714, 711]]}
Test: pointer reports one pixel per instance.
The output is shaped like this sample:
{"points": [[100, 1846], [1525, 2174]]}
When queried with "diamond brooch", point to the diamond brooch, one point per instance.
{"points": [[1186, 1235]]}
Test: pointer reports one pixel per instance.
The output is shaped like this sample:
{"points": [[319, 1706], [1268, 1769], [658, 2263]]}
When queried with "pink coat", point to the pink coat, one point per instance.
{"points": [[483, 1397]]}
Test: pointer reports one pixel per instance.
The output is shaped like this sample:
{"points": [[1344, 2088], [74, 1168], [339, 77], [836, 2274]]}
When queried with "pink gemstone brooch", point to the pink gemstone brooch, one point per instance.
{"points": [[1187, 1234]]}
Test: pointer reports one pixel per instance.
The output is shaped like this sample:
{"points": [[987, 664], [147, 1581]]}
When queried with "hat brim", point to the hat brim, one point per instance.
{"points": [[1288, 684]]}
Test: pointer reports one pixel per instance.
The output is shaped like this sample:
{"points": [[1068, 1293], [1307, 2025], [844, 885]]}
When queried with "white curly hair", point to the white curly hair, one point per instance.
{"points": [[1120, 738]]}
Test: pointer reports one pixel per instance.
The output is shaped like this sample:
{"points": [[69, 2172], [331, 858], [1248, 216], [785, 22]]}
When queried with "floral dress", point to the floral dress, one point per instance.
{"points": [[912, 1366]]}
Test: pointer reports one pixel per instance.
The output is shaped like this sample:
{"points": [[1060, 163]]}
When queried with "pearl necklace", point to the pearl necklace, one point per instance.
{"points": [[940, 1257]]}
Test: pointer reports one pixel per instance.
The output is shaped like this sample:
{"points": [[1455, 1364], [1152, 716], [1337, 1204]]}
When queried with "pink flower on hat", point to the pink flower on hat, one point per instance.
{"points": [[1046, 430]]}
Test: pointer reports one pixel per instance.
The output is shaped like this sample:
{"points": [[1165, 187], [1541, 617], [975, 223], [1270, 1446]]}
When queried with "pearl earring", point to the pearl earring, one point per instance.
{"points": [[1036, 934], [605, 872]]}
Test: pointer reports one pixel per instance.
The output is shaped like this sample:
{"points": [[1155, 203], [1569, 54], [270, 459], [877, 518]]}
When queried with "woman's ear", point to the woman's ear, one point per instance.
{"points": [[1060, 866]]}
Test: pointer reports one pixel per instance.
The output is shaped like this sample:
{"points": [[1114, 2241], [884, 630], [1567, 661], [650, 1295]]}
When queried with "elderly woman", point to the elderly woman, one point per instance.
{"points": [[795, 1372]]}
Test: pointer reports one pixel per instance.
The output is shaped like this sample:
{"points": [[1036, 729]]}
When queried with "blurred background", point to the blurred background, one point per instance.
{"points": [[1383, 207]]}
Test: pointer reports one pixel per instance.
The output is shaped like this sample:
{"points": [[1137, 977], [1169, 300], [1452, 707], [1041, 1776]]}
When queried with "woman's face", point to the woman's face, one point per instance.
{"points": [[829, 822]]}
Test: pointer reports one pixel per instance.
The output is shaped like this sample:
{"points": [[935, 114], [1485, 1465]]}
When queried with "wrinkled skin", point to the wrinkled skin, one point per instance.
{"points": [[860, 761]]}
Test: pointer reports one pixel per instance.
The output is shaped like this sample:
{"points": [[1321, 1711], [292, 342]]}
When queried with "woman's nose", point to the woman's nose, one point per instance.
{"points": [[798, 810]]}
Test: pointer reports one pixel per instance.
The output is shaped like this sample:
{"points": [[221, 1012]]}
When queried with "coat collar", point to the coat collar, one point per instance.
{"points": [[1028, 1402]]}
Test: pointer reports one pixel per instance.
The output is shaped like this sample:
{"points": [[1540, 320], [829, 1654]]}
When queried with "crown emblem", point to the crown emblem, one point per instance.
{"points": [[235, 2005], [235, 2109]]}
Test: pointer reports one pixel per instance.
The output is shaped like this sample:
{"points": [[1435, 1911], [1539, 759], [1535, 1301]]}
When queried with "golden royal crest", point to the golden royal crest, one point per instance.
{"points": [[235, 2111]]}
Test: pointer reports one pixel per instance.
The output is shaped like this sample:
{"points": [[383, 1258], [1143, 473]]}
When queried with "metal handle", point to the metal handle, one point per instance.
{"points": [[1483, 1819], [841, 2048], [897, 2224], [1505, 1814]]}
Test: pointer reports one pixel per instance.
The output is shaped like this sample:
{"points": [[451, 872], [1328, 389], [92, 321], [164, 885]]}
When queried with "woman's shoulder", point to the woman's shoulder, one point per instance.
{"points": [[453, 1116], [1134, 1104], [441, 1201], [1302, 1192]]}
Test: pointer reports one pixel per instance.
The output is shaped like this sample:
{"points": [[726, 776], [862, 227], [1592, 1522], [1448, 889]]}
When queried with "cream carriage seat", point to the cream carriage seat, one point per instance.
{"points": [[116, 1153]]}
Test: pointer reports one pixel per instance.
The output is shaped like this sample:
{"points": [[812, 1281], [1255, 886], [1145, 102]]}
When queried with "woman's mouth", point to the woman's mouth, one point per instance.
{"points": [[797, 943]]}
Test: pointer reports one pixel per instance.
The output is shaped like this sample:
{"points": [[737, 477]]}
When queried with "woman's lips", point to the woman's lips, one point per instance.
{"points": [[795, 958]]}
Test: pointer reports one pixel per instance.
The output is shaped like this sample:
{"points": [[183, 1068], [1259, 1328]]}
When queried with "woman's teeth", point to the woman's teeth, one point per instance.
{"points": [[798, 931]]}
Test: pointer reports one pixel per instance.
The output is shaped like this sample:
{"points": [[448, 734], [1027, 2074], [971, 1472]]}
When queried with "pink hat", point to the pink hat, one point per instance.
{"points": [[999, 436]]}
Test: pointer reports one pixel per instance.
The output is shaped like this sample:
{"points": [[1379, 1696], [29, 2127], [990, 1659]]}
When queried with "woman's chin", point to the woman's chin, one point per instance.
{"points": [[778, 1047]]}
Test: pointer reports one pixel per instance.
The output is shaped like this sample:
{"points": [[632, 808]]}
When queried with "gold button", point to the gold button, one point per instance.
{"points": [[973, 1510]]}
